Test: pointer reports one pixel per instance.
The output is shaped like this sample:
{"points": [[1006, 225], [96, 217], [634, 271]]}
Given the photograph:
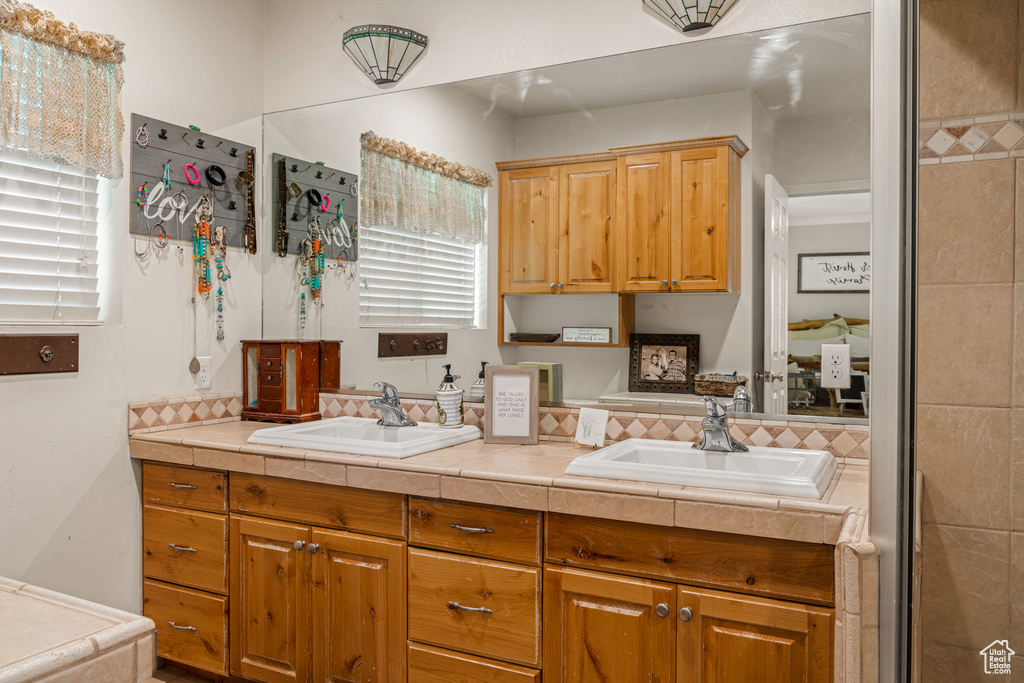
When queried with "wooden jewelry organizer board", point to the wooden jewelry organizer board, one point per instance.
{"points": [[298, 209], [181, 147]]}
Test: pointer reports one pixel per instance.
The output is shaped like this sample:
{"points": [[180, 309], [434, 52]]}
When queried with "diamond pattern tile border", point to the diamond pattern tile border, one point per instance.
{"points": [[559, 424], [175, 413], [999, 136], [556, 424]]}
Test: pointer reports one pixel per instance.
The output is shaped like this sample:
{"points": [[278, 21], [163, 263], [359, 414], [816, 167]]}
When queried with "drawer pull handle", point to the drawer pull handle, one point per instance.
{"points": [[685, 614], [183, 548], [472, 529], [182, 628], [182, 486], [661, 610], [481, 610]]}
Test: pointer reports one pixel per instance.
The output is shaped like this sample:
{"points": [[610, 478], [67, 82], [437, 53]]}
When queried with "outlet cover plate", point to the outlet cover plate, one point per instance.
{"points": [[204, 378], [835, 366]]}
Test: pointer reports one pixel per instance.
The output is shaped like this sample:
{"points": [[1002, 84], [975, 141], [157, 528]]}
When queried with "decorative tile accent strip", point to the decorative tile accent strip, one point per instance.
{"points": [[175, 413], [999, 136], [559, 424]]}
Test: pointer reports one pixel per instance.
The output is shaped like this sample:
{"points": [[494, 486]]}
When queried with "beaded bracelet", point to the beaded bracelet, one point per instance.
{"points": [[142, 136]]}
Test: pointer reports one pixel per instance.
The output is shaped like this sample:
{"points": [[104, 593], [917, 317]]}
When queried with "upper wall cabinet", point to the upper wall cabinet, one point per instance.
{"points": [[663, 217], [556, 227]]}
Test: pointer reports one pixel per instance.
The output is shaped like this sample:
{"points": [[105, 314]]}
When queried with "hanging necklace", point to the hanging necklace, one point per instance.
{"points": [[201, 247], [220, 250]]}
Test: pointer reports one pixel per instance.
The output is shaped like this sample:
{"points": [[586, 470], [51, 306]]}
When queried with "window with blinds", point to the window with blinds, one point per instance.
{"points": [[413, 280], [48, 242]]}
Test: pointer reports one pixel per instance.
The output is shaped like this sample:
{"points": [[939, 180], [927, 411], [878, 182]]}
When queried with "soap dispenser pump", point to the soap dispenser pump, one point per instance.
{"points": [[479, 388], [449, 401]]}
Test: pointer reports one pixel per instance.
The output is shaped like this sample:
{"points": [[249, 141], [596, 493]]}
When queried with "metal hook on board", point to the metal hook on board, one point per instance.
{"points": [[231, 205], [330, 176], [295, 168], [234, 152], [319, 175], [163, 134]]}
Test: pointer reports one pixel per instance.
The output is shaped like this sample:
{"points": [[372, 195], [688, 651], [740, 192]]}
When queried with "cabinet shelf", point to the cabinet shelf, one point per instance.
{"points": [[625, 320]]}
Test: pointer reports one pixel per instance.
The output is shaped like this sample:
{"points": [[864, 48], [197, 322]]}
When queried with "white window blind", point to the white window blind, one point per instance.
{"points": [[48, 242], [414, 280]]}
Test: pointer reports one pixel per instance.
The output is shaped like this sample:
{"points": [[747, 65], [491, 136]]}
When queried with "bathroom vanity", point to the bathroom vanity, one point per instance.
{"points": [[485, 562]]}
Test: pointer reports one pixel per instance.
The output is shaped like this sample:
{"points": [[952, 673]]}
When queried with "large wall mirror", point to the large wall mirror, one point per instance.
{"points": [[797, 96]]}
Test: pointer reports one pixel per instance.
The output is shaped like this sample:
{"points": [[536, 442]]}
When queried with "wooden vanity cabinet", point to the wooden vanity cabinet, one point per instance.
{"points": [[311, 603], [184, 562], [475, 591], [556, 226]]}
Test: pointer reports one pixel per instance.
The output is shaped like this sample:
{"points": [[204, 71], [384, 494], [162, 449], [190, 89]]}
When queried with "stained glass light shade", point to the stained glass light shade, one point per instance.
{"points": [[384, 53], [690, 15]]}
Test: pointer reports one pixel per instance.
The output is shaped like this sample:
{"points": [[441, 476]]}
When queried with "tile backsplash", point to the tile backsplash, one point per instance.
{"points": [[977, 138], [556, 423]]}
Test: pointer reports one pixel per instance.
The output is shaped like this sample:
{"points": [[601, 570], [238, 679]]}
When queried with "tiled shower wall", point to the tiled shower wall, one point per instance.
{"points": [[970, 326]]}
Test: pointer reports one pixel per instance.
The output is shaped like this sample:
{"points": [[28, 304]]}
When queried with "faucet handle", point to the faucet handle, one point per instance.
{"points": [[715, 407], [388, 392]]}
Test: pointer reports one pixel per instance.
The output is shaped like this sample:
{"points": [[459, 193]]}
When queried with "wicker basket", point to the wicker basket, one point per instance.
{"points": [[717, 385]]}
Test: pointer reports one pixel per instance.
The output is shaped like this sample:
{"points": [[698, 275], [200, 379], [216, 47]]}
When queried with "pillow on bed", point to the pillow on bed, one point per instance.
{"points": [[860, 330], [812, 347], [835, 328], [860, 347]]}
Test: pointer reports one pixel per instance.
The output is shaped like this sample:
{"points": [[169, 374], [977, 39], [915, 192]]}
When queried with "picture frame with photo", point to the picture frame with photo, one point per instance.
{"points": [[665, 363]]}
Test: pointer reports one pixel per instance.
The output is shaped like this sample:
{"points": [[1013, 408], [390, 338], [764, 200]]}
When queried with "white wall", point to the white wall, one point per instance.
{"points": [[825, 150], [473, 38], [441, 120], [826, 239], [69, 494]]}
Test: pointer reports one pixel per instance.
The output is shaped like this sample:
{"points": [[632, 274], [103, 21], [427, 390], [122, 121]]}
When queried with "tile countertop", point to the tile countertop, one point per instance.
{"points": [[528, 477], [54, 638]]}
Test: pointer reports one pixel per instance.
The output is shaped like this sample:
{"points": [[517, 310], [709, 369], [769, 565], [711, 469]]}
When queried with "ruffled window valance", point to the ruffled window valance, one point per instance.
{"points": [[60, 90], [403, 188]]}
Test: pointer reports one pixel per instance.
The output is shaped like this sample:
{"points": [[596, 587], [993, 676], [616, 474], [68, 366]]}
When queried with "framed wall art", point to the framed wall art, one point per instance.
{"points": [[511, 404], [830, 273], [665, 363]]}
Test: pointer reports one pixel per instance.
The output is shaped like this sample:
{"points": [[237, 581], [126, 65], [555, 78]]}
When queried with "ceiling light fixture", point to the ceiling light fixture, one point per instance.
{"points": [[690, 15], [384, 53]]}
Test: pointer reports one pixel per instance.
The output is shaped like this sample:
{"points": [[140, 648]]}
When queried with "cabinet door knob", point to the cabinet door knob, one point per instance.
{"points": [[560, 284], [312, 548], [665, 282], [552, 285], [299, 545], [661, 609], [675, 282], [685, 613]]}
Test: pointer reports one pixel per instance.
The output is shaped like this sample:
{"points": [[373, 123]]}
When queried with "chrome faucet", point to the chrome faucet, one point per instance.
{"points": [[390, 407], [716, 436]]}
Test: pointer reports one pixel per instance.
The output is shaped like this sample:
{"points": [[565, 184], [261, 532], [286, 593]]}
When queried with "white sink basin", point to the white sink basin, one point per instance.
{"points": [[775, 471], [363, 436]]}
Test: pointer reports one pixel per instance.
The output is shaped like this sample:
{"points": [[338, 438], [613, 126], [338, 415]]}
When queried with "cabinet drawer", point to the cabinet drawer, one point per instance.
{"points": [[185, 487], [191, 627], [185, 547], [270, 394], [432, 665], [270, 351], [745, 564], [475, 530], [444, 589], [270, 365], [374, 512], [270, 379], [269, 406]]}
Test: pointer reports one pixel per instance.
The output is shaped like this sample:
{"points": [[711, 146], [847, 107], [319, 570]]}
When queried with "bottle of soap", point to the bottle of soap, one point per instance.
{"points": [[449, 400], [479, 388]]}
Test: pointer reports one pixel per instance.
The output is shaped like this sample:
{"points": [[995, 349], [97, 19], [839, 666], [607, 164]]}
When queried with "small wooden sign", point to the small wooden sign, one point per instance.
{"points": [[511, 404], [587, 335], [591, 427]]}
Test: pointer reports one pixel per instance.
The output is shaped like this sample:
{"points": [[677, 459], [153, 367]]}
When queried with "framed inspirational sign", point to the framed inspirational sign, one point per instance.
{"points": [[511, 404]]}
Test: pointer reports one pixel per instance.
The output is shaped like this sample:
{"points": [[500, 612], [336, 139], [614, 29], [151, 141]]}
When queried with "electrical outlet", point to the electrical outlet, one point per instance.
{"points": [[835, 366], [204, 378]]}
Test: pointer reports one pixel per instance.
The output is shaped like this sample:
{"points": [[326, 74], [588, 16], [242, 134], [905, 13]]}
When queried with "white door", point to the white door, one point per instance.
{"points": [[776, 296]]}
